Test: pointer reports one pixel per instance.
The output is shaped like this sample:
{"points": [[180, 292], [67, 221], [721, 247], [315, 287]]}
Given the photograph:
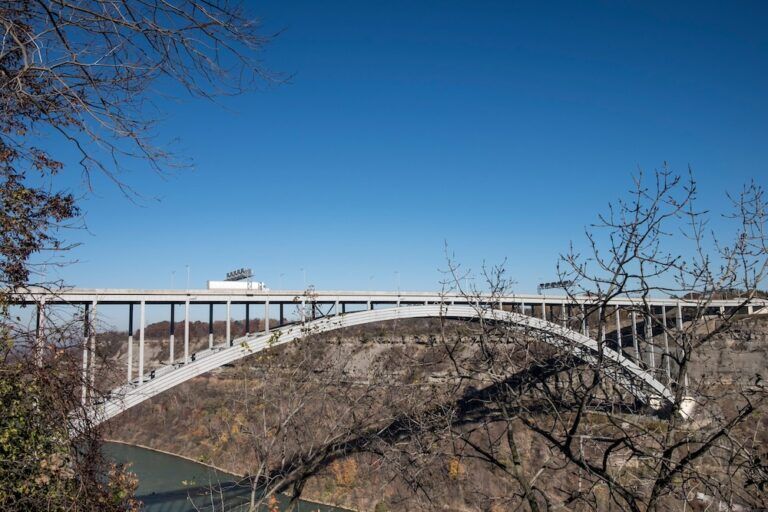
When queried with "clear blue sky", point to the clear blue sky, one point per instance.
{"points": [[501, 128]]}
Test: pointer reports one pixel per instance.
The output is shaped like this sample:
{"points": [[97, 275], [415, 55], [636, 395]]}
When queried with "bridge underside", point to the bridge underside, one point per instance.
{"points": [[616, 365]]}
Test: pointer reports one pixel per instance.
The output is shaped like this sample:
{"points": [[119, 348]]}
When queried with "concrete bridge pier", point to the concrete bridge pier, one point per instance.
{"points": [[228, 334], [634, 335], [142, 323], [186, 332], [617, 315], [86, 336], [601, 324], [172, 335], [266, 316], [92, 341], [563, 315], [648, 340], [210, 325], [665, 356], [39, 328], [130, 342]]}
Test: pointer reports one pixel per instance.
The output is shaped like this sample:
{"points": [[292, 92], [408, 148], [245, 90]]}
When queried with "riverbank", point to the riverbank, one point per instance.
{"points": [[164, 452], [183, 476]]}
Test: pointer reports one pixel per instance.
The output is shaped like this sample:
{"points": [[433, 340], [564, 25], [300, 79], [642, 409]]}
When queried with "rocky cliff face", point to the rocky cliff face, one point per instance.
{"points": [[740, 358]]}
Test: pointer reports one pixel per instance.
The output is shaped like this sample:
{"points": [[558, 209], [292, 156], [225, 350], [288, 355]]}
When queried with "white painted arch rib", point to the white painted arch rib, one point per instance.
{"points": [[625, 371]]}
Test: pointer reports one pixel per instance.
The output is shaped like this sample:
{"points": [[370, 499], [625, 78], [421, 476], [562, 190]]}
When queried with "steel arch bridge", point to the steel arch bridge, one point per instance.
{"points": [[620, 368], [635, 364]]}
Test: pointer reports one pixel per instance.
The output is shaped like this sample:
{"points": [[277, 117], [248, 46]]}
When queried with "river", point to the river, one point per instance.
{"points": [[168, 483]]}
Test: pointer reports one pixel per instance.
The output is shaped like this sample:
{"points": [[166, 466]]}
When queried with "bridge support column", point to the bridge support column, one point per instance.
{"points": [[370, 306], [634, 337], [172, 335], [93, 345], [680, 329], [601, 327], [247, 329], [229, 323], [266, 316], [336, 308], [39, 328], [583, 320], [141, 343], [543, 310], [343, 308], [665, 356], [130, 342], [210, 326], [186, 332], [282, 316], [303, 311], [86, 335], [750, 309], [617, 313], [649, 340], [564, 314]]}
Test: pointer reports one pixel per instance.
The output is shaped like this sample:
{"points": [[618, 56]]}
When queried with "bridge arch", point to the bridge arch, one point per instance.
{"points": [[620, 368]]}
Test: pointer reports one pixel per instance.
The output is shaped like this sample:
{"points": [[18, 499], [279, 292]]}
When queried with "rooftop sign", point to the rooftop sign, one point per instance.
{"points": [[239, 274]]}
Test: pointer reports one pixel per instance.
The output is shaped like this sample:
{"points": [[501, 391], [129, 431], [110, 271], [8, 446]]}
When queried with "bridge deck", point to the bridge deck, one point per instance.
{"points": [[239, 296]]}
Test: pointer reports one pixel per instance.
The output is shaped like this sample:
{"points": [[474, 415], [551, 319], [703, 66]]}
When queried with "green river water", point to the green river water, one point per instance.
{"points": [[172, 484]]}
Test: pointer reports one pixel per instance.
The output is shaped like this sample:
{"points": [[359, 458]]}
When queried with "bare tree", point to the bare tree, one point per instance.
{"points": [[85, 73], [50, 449], [83, 70], [89, 74], [606, 447]]}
